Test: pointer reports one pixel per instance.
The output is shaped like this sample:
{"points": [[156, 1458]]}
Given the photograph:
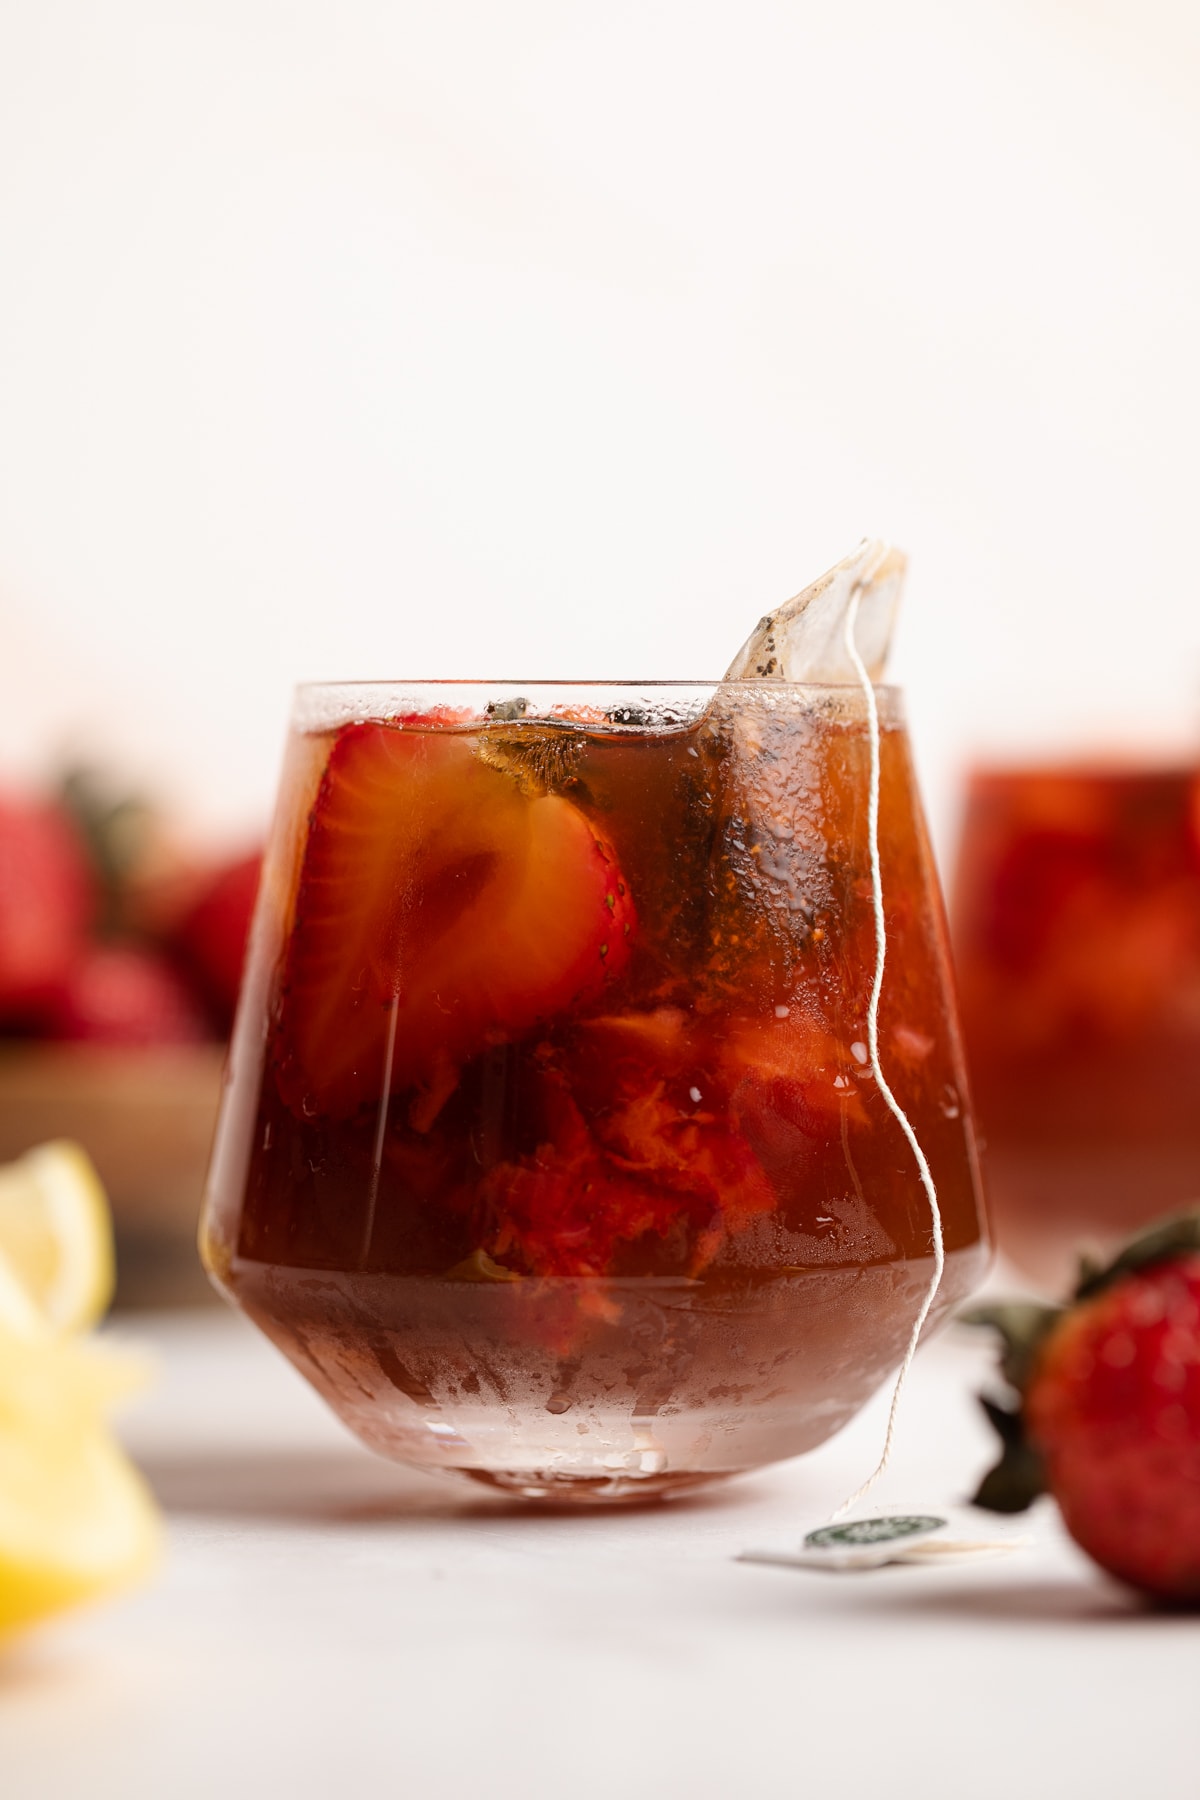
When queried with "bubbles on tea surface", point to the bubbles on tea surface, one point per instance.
{"points": [[543, 749]]}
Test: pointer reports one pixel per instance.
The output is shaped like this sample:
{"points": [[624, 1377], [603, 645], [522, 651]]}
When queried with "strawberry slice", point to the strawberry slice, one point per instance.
{"points": [[440, 910]]}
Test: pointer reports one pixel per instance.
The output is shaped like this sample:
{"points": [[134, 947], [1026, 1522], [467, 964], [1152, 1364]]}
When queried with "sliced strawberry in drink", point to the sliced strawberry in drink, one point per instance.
{"points": [[440, 910]]}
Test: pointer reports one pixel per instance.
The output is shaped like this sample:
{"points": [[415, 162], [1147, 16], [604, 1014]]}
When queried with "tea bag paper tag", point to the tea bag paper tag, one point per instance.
{"points": [[854, 1545]]}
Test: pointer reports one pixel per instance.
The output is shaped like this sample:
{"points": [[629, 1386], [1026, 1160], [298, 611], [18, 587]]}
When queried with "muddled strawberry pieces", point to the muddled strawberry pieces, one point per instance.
{"points": [[647, 1175], [661, 1138], [440, 910], [791, 1093]]}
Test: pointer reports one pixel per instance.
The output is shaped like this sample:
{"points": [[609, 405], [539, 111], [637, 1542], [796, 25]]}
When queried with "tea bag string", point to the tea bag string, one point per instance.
{"points": [[894, 1106]]}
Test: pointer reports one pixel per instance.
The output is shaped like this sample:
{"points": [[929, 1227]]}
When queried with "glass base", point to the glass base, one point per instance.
{"points": [[597, 1392], [559, 1489]]}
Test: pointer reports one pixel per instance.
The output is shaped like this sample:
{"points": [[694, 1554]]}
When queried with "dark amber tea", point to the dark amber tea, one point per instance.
{"points": [[553, 1154], [1077, 919]]}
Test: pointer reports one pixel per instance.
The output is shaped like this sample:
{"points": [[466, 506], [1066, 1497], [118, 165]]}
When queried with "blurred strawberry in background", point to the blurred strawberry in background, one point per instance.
{"points": [[210, 937], [121, 950], [48, 899], [125, 994], [110, 933]]}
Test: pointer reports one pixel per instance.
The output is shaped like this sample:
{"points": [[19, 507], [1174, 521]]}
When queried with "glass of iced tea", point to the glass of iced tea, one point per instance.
{"points": [[1077, 930], [552, 1152]]}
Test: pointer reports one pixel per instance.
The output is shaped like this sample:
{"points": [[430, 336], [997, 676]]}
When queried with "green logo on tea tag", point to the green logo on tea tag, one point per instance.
{"points": [[857, 1532]]}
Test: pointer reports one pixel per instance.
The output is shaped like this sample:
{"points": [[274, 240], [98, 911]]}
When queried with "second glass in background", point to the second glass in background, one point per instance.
{"points": [[1076, 921]]}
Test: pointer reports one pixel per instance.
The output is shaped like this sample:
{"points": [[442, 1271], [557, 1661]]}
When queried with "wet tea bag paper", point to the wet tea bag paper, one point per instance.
{"points": [[804, 639]]}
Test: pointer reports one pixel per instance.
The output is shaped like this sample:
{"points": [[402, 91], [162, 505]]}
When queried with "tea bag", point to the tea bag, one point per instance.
{"points": [[805, 639], [838, 631]]}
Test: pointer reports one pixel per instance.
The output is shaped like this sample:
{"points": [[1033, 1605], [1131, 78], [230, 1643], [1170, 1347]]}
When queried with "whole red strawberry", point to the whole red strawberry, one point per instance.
{"points": [[1108, 1419]]}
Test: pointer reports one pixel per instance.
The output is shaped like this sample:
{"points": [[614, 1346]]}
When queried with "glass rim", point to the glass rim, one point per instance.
{"points": [[771, 682]]}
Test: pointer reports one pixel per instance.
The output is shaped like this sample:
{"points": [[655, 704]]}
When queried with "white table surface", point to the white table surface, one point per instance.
{"points": [[327, 1624]]}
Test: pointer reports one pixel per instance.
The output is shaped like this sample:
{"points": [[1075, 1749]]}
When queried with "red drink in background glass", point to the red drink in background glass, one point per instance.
{"points": [[1077, 932], [551, 1153]]}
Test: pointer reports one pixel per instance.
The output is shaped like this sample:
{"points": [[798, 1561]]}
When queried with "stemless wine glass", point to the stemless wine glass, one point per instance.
{"points": [[551, 1150], [1077, 926]]}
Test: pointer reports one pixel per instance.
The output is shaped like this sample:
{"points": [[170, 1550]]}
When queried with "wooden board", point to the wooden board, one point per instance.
{"points": [[146, 1119]]}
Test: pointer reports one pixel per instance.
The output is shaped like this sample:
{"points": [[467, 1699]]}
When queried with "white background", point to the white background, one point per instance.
{"points": [[541, 338]]}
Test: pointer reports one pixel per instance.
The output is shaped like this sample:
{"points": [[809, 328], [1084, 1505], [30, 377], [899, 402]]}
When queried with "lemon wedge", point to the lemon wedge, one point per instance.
{"points": [[55, 1239], [76, 1520]]}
